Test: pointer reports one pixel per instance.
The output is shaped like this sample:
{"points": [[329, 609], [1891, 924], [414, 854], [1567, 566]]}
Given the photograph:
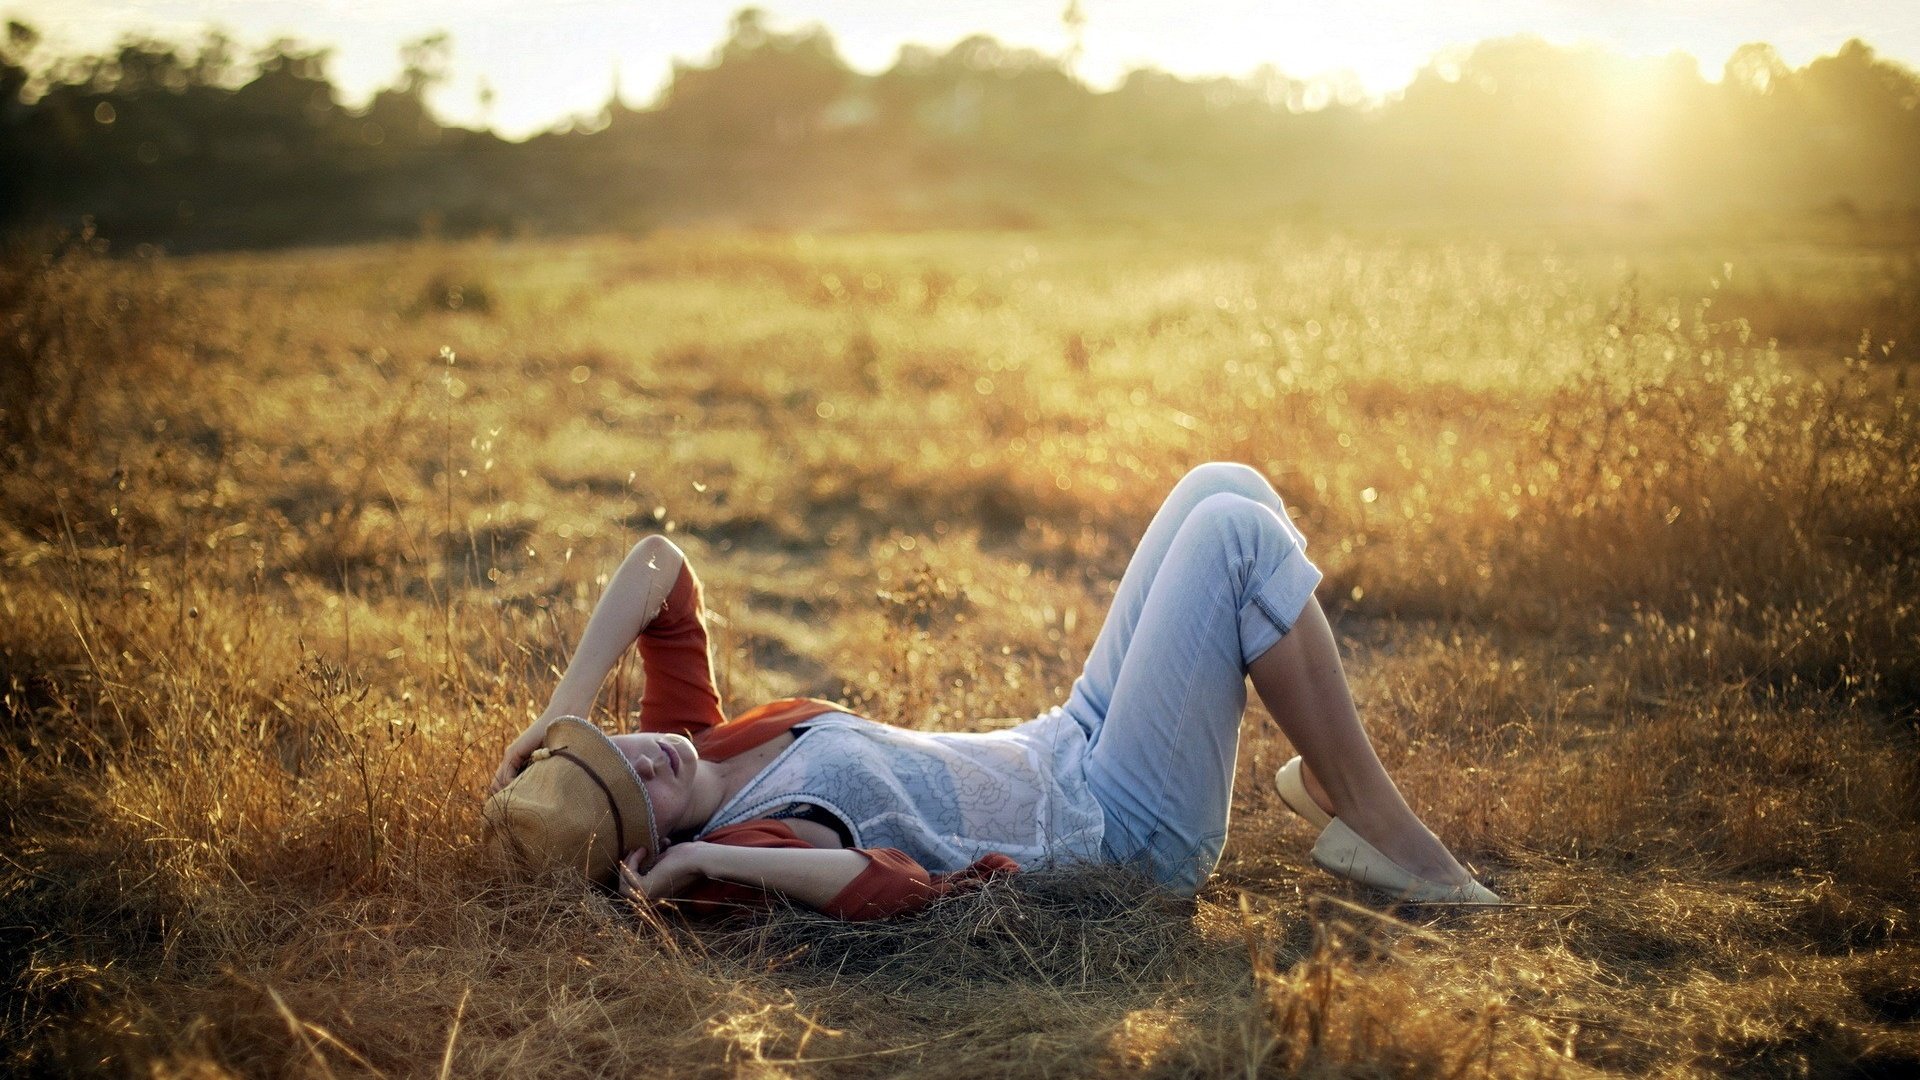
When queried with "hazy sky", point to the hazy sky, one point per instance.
{"points": [[548, 59]]}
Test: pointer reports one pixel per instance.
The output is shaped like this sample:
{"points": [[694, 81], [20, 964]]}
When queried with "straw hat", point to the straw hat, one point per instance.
{"points": [[576, 804]]}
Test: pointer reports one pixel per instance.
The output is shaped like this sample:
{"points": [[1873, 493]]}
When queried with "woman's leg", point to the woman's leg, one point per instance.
{"points": [[1301, 682], [1227, 586], [1198, 611], [1093, 690]]}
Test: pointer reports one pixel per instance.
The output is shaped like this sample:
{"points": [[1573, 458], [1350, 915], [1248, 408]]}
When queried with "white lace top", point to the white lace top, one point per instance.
{"points": [[944, 798]]}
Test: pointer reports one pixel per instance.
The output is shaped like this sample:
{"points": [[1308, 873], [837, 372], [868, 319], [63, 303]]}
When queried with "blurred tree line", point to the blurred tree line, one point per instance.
{"points": [[198, 148]]}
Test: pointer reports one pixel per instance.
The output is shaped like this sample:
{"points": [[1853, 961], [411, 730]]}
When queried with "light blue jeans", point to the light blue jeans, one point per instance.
{"points": [[1219, 577]]}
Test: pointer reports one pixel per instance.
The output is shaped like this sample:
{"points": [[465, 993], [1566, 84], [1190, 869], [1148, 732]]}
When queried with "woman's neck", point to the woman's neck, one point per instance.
{"points": [[713, 785], [717, 782]]}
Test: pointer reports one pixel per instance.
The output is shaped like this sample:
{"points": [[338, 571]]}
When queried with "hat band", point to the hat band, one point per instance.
{"points": [[613, 805]]}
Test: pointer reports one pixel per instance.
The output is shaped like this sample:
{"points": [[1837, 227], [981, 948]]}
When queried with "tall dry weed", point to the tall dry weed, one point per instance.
{"points": [[85, 340]]}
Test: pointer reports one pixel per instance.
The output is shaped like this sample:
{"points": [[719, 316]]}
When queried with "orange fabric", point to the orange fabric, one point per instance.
{"points": [[893, 884], [756, 726], [680, 697], [679, 694]]}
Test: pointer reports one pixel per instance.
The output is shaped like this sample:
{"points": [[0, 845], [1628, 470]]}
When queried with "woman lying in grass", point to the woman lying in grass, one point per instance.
{"points": [[863, 820]]}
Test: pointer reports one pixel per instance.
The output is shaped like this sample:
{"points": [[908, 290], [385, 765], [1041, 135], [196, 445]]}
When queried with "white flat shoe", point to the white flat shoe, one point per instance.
{"points": [[1293, 792], [1341, 851]]}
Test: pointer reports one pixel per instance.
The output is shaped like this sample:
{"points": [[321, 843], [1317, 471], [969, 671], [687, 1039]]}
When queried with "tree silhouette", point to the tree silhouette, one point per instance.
{"points": [[193, 146]]}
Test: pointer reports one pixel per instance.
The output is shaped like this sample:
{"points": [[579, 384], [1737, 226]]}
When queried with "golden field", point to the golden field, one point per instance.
{"points": [[1622, 541]]}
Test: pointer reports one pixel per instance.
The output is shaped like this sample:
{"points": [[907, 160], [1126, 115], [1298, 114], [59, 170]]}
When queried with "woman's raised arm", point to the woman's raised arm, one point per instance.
{"points": [[636, 595]]}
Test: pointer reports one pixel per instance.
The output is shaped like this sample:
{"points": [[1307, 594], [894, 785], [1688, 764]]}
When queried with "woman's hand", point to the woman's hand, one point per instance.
{"points": [[518, 751], [668, 877]]}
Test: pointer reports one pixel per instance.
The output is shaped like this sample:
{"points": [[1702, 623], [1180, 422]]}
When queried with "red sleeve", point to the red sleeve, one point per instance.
{"points": [[679, 695], [892, 884]]}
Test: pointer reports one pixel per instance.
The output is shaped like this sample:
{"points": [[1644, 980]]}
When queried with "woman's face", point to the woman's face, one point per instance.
{"points": [[667, 766]]}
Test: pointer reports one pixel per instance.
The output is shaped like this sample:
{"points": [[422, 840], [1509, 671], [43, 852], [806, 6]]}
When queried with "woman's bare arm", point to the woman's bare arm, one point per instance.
{"points": [[633, 597], [813, 876]]}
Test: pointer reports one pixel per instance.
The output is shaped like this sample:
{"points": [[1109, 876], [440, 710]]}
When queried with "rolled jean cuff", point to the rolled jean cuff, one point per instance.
{"points": [[1276, 603]]}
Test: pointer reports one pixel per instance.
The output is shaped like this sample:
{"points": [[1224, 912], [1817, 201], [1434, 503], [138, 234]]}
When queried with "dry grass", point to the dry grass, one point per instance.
{"points": [[1621, 543]]}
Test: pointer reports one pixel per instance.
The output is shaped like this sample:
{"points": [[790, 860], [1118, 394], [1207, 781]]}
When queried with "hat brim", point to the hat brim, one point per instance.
{"points": [[577, 803]]}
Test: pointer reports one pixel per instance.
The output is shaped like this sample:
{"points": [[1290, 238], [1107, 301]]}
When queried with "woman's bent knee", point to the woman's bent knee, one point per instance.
{"points": [[1230, 513], [1229, 477]]}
